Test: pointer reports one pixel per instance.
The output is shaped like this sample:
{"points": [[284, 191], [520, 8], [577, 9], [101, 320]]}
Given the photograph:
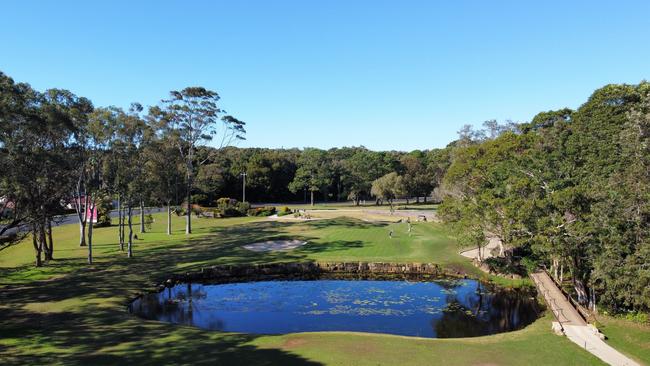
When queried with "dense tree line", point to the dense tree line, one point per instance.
{"points": [[310, 175], [570, 190]]}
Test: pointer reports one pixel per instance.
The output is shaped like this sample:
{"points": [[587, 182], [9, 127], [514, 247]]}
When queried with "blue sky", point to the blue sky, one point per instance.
{"points": [[388, 75]]}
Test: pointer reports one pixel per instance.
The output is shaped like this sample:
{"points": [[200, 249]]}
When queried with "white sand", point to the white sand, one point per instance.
{"points": [[275, 245]]}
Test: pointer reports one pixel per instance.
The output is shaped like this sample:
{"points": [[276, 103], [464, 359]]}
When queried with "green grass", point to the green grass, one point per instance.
{"points": [[630, 338], [69, 312]]}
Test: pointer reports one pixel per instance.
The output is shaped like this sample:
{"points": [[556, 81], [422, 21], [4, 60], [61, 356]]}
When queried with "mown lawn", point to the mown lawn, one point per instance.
{"points": [[69, 312], [630, 338]]}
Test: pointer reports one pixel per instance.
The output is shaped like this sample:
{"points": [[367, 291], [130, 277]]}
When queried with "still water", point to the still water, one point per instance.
{"points": [[442, 309]]}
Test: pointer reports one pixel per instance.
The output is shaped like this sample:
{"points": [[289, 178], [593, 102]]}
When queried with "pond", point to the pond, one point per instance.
{"points": [[441, 308]]}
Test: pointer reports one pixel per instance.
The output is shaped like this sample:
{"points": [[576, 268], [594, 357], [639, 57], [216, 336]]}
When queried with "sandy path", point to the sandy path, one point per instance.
{"points": [[274, 245], [486, 251]]}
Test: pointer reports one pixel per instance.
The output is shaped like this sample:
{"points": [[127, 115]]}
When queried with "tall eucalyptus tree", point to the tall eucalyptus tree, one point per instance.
{"points": [[190, 118]]}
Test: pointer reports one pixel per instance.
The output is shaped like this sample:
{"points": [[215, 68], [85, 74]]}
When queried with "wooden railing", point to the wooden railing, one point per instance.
{"points": [[587, 315]]}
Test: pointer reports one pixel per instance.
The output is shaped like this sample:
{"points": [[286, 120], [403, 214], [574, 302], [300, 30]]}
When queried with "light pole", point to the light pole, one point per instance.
{"points": [[243, 187]]}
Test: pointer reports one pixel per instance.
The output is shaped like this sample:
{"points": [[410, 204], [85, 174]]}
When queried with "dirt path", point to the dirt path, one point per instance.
{"points": [[573, 325]]}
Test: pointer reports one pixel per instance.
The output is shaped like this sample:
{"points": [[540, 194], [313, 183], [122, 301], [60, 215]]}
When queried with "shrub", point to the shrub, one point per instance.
{"points": [[197, 210], [505, 266], [529, 264], [200, 199], [104, 206], [228, 207], [178, 210], [636, 317], [225, 202], [284, 211], [243, 207], [262, 211], [230, 212]]}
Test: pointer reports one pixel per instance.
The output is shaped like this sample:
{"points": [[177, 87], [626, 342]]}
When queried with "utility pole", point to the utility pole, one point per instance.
{"points": [[243, 187]]}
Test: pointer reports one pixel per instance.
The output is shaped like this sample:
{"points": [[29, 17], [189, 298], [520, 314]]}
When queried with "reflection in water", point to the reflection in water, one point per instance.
{"points": [[443, 309], [486, 311]]}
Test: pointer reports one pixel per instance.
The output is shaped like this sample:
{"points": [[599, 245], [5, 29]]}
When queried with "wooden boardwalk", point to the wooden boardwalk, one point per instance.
{"points": [[564, 312], [574, 326]]}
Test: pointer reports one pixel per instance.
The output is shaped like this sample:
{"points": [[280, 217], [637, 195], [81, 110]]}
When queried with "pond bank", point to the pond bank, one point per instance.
{"points": [[252, 272]]}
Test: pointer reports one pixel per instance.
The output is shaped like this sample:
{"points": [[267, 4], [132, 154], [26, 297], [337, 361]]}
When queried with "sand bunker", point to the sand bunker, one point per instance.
{"points": [[274, 245]]}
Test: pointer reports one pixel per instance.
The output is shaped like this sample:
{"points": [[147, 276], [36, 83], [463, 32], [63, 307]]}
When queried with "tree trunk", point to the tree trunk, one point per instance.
{"points": [[425, 199], [90, 230], [122, 241], [338, 191], [142, 229], [83, 219], [120, 228], [169, 218], [130, 215], [82, 234], [43, 240], [37, 247], [49, 237], [593, 300], [312, 197], [501, 246], [581, 290], [188, 222], [90, 242]]}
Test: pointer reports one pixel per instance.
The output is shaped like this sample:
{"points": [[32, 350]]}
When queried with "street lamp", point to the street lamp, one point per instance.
{"points": [[244, 187]]}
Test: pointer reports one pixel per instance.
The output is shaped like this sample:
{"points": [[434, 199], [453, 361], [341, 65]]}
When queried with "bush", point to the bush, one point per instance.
{"points": [[284, 211], [228, 207], [243, 207], [225, 202], [230, 212], [262, 211], [178, 211], [104, 206], [505, 266], [636, 317], [200, 199], [529, 264], [197, 210]]}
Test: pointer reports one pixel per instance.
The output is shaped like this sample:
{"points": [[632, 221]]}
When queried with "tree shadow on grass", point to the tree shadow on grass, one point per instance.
{"points": [[95, 336], [343, 222], [330, 246], [82, 316]]}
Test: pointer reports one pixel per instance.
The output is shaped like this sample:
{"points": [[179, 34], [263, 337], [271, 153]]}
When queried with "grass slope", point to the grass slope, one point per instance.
{"points": [[72, 313], [630, 338]]}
